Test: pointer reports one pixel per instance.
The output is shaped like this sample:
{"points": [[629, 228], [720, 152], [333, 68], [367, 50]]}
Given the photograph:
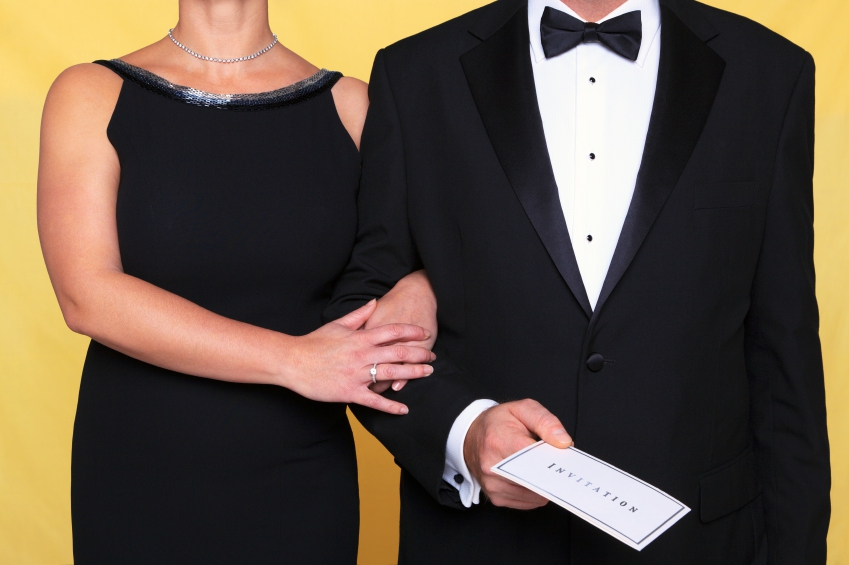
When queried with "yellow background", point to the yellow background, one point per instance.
{"points": [[40, 360]]}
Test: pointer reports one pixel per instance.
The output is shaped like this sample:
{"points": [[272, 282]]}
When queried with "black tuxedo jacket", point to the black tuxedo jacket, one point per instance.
{"points": [[711, 386]]}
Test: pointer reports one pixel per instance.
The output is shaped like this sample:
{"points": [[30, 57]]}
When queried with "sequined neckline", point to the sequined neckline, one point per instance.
{"points": [[298, 92]]}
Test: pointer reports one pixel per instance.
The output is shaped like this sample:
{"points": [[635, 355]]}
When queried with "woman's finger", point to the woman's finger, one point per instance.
{"points": [[390, 372], [398, 385], [376, 402], [400, 354], [381, 386], [393, 333]]}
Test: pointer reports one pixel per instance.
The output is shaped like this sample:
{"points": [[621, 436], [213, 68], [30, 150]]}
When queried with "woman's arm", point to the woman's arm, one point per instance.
{"points": [[78, 181]]}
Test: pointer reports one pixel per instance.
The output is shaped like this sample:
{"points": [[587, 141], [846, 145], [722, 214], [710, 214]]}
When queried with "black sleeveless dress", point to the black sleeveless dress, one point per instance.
{"points": [[244, 205]]}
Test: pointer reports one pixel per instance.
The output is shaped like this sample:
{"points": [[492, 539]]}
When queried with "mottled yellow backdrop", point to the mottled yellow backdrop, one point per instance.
{"points": [[40, 360]]}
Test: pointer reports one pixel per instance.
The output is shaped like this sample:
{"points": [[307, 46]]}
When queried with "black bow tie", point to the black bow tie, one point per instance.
{"points": [[560, 32]]}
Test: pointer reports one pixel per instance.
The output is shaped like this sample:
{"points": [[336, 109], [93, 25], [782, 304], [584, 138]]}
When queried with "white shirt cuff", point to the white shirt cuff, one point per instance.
{"points": [[456, 473]]}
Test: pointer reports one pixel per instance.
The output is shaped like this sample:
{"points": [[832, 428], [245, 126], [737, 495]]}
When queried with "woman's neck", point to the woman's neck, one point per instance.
{"points": [[593, 10], [223, 28]]}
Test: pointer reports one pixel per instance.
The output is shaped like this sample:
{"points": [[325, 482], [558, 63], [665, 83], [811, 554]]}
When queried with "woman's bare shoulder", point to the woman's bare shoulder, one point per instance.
{"points": [[353, 88], [351, 97], [83, 92]]}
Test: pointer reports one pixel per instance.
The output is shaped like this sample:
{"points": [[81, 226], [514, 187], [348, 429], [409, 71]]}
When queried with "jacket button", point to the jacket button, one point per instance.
{"points": [[595, 362]]}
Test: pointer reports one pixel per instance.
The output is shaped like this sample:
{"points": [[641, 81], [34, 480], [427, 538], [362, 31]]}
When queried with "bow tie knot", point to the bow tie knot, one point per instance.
{"points": [[561, 32], [590, 33]]}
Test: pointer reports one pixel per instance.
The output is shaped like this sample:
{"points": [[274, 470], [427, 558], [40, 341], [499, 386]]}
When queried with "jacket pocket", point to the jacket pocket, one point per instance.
{"points": [[725, 195], [728, 487]]}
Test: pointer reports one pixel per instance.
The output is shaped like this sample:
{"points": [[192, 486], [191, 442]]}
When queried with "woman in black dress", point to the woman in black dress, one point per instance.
{"points": [[196, 237]]}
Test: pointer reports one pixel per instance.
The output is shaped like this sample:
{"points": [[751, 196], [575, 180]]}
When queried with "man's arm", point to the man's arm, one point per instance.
{"points": [[383, 255], [783, 354]]}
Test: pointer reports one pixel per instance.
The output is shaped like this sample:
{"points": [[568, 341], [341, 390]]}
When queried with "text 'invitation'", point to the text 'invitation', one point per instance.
{"points": [[632, 511]]}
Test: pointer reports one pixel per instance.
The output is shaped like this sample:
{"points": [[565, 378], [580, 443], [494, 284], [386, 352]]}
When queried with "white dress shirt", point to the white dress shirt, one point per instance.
{"points": [[595, 107]]}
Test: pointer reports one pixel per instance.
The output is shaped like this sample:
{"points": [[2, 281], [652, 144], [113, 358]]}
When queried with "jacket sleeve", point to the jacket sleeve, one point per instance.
{"points": [[783, 354], [384, 253]]}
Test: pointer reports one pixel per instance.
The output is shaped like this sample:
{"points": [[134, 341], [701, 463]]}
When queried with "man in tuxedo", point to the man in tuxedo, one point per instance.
{"points": [[617, 221]]}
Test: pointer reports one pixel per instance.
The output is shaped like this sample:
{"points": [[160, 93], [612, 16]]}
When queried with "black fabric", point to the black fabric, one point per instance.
{"points": [[707, 324], [498, 73], [561, 32], [728, 488], [251, 215], [683, 101]]}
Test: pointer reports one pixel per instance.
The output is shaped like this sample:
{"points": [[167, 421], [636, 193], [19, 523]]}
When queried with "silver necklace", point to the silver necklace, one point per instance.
{"points": [[216, 59]]}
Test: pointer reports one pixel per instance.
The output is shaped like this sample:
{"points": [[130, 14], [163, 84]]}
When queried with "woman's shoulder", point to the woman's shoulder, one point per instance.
{"points": [[351, 98], [350, 95], [90, 90], [83, 93], [353, 89], [89, 80]]}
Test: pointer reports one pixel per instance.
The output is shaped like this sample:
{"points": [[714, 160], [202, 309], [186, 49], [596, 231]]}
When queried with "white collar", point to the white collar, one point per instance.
{"points": [[649, 13]]}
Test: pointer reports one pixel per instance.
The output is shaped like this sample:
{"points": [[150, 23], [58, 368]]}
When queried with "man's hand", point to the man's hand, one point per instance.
{"points": [[411, 301], [502, 431]]}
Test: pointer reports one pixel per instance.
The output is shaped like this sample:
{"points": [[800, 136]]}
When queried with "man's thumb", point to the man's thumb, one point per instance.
{"points": [[357, 319], [542, 423]]}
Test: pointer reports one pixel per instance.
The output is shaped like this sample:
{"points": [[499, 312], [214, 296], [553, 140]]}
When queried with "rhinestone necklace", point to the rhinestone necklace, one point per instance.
{"points": [[216, 59]]}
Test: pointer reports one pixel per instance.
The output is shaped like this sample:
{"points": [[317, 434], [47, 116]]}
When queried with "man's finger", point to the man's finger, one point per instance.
{"points": [[502, 492], [517, 504], [521, 500], [542, 423], [510, 490]]}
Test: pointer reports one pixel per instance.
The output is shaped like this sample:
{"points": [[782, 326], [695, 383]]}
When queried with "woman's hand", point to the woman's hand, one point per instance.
{"points": [[333, 363], [411, 301]]}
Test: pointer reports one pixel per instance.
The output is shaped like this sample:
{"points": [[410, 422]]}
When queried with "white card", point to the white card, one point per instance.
{"points": [[632, 511]]}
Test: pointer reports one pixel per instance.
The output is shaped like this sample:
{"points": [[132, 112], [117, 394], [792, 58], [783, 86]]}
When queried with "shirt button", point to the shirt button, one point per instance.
{"points": [[589, 238], [458, 478], [592, 156], [592, 80]]}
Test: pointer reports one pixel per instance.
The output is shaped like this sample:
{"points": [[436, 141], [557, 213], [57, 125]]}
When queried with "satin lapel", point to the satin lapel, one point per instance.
{"points": [[687, 83], [501, 79]]}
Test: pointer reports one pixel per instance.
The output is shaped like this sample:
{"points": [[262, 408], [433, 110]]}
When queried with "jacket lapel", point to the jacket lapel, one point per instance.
{"points": [[688, 80], [501, 80]]}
